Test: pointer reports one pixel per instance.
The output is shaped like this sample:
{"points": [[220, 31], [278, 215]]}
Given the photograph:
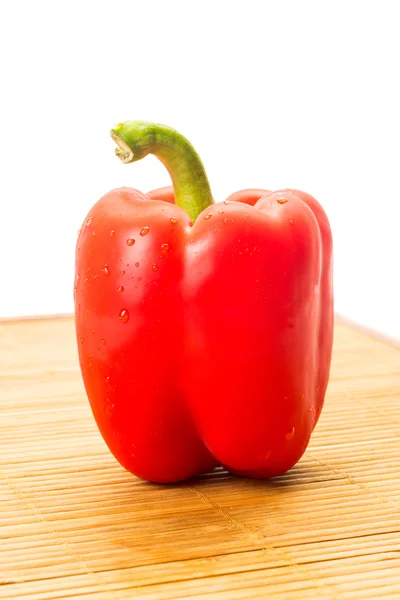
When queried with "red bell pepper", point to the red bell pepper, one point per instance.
{"points": [[204, 330]]}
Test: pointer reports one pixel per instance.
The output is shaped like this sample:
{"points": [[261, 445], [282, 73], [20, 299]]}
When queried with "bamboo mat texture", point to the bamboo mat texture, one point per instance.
{"points": [[74, 524]]}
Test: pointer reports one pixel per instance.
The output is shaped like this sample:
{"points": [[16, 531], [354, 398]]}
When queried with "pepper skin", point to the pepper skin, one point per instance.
{"points": [[204, 329]]}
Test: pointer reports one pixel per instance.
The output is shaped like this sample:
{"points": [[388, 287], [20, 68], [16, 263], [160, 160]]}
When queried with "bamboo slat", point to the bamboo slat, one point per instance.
{"points": [[74, 524]]}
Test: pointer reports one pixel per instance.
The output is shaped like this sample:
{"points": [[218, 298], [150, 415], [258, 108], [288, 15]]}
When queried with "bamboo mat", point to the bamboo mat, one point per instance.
{"points": [[74, 524]]}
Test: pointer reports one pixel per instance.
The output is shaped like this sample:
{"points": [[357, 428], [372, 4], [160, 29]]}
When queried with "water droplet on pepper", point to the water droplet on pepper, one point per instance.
{"points": [[145, 230], [281, 200], [173, 220], [130, 241], [124, 315], [164, 249], [289, 435], [120, 288], [112, 232], [155, 268], [105, 270], [88, 221], [208, 216]]}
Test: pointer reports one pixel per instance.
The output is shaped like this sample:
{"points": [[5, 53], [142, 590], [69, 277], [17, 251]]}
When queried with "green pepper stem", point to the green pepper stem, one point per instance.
{"points": [[137, 139]]}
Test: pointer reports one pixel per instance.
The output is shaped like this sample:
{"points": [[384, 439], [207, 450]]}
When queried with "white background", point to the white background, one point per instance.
{"points": [[272, 94]]}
